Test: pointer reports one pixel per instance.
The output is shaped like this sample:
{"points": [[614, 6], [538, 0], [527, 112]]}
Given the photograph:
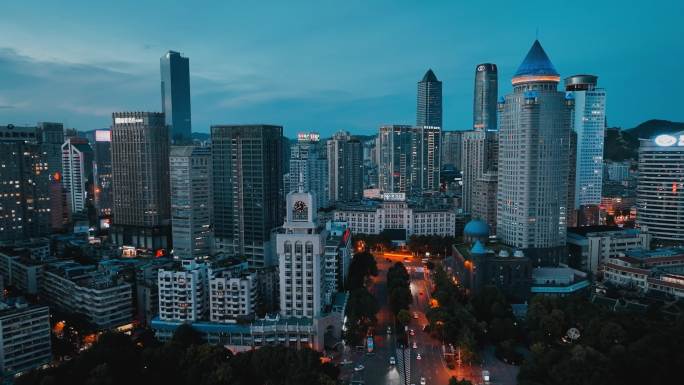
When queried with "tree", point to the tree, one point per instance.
{"points": [[186, 336], [362, 266], [455, 381], [403, 317]]}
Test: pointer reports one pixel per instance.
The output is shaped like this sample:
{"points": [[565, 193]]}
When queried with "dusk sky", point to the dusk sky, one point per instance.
{"points": [[326, 65]]}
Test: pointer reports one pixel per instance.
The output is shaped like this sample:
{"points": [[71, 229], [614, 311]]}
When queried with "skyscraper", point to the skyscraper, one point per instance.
{"points": [[473, 162], [102, 173], [429, 109], [77, 172], [175, 92], [660, 188], [140, 180], [345, 168], [51, 137], [534, 137], [247, 188], [425, 167], [485, 97], [589, 121], [24, 179], [451, 148], [394, 151], [190, 181], [309, 162]]}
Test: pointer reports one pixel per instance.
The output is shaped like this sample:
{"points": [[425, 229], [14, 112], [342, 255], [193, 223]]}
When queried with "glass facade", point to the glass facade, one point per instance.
{"points": [[175, 93]]}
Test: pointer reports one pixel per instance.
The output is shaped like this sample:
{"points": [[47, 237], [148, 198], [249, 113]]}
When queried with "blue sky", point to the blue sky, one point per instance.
{"points": [[325, 65]]}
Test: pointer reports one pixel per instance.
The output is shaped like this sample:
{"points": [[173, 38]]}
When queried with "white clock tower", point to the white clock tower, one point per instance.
{"points": [[300, 246]]}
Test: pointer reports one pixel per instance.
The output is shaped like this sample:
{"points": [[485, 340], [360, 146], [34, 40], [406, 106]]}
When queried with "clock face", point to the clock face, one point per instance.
{"points": [[300, 206]]}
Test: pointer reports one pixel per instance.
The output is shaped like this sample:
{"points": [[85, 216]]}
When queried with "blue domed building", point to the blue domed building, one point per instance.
{"points": [[476, 230]]}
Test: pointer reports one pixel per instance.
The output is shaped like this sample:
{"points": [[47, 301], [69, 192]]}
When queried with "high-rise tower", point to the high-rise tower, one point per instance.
{"points": [[140, 180], [485, 97], [175, 93], [534, 137], [429, 109], [247, 187], [345, 168], [588, 124]]}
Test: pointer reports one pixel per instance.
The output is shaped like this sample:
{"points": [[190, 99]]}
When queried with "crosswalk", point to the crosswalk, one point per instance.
{"points": [[404, 365]]}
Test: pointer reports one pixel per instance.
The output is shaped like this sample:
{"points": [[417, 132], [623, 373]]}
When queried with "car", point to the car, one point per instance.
{"points": [[415, 345], [418, 357], [393, 361], [359, 368], [421, 293], [412, 332], [415, 315], [422, 381], [389, 330], [346, 362]]}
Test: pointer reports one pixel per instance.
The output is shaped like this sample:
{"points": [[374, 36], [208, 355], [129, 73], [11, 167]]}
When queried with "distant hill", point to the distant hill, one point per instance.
{"points": [[624, 144]]}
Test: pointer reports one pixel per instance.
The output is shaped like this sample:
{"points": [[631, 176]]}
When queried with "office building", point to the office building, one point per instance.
{"points": [[309, 166], [485, 97], [300, 246], [191, 201], [394, 152], [24, 337], [338, 254], [105, 300], [451, 148], [247, 188], [51, 137], [429, 101], [474, 163], [77, 173], [183, 292], [345, 168], [660, 189], [588, 124], [534, 135], [233, 292], [395, 212], [24, 184], [484, 201], [175, 93], [102, 174], [140, 180], [425, 167], [617, 171], [658, 271], [590, 246], [21, 270]]}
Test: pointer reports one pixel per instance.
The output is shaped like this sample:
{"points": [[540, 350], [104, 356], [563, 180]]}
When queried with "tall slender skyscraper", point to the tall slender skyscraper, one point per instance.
{"points": [[451, 148], [77, 172], [486, 96], [473, 160], [394, 151], [175, 93], [140, 180], [190, 180], [534, 137], [589, 122], [102, 170], [345, 168], [247, 187], [429, 109], [426, 141]]}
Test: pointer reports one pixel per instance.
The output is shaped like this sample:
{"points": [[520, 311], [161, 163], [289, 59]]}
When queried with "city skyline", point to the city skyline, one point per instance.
{"points": [[291, 81]]}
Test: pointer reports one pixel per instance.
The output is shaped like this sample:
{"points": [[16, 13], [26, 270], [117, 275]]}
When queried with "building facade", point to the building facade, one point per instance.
{"points": [[247, 185], [309, 166], [345, 168], [24, 184], [191, 201], [233, 293], [395, 212], [102, 173], [429, 101], [24, 338], [183, 292], [534, 135], [485, 97], [660, 188], [451, 148], [140, 180], [175, 93], [77, 173], [300, 246], [588, 124]]}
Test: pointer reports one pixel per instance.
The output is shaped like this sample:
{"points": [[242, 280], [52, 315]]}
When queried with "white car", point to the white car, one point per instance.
{"points": [[389, 330], [415, 345], [412, 332], [418, 357], [393, 361], [358, 368], [415, 315], [422, 381]]}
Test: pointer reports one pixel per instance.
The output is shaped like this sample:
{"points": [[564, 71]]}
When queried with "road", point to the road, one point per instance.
{"points": [[432, 365]]}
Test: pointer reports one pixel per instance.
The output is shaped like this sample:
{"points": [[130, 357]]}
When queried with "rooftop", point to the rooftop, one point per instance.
{"points": [[536, 67]]}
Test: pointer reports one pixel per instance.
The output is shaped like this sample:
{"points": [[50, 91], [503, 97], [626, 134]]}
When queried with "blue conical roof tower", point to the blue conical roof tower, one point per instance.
{"points": [[536, 67]]}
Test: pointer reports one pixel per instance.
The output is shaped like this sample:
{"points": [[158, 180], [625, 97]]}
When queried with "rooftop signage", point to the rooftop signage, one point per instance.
{"points": [[127, 120], [394, 197], [666, 140]]}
